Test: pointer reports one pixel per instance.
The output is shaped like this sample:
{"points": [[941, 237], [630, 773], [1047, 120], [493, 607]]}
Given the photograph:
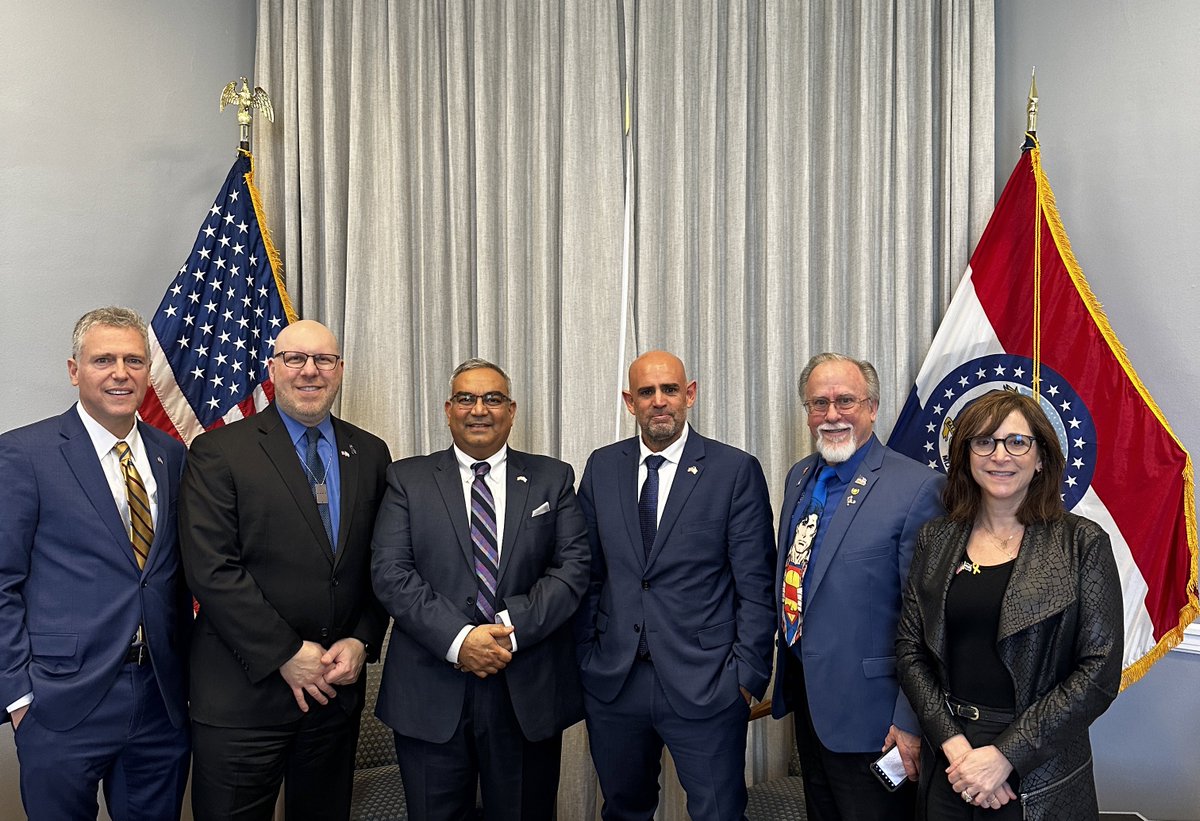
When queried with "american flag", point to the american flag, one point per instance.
{"points": [[215, 328]]}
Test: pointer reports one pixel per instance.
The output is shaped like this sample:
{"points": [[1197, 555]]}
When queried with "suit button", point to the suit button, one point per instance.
{"points": [[470, 601], [637, 628], [335, 582], [324, 632], [645, 585]]}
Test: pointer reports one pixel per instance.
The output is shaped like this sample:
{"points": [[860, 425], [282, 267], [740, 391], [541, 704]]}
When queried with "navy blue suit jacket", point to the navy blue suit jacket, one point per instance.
{"points": [[704, 595], [848, 646], [71, 593], [423, 571]]}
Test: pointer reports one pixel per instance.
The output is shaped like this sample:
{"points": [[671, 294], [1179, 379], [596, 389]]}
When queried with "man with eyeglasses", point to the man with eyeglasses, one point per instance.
{"points": [[276, 513], [94, 616], [481, 557], [847, 528]]}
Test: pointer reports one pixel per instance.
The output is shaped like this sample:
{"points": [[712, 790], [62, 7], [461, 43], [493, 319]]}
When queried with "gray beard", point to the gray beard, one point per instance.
{"points": [[836, 454]]}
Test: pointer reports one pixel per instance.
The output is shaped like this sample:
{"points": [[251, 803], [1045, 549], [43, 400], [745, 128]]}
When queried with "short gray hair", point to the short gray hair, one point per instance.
{"points": [[870, 375], [474, 364], [113, 317]]}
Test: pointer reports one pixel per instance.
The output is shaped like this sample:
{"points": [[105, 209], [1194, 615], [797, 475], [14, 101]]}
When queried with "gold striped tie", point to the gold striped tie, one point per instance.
{"points": [[141, 523]]}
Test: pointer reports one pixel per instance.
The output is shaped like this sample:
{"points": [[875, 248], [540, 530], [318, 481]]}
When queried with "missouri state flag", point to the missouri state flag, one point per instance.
{"points": [[1024, 314], [215, 328]]}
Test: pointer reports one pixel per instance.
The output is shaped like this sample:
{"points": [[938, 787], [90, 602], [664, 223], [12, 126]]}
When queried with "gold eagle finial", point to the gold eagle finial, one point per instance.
{"points": [[247, 100]]}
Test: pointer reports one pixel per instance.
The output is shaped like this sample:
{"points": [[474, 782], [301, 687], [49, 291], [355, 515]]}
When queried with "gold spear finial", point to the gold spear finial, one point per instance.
{"points": [[246, 100], [1031, 111]]}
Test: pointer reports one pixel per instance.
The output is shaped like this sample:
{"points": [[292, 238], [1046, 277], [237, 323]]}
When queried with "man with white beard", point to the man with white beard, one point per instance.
{"points": [[848, 525]]}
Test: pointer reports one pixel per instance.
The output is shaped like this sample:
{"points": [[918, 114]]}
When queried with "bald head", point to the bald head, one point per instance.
{"points": [[306, 393], [306, 331], [659, 396]]}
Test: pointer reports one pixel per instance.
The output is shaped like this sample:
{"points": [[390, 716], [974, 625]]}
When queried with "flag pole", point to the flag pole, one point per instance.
{"points": [[1031, 144]]}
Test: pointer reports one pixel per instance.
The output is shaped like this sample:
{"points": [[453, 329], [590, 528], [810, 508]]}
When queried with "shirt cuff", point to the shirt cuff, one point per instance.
{"points": [[456, 645], [512, 637], [23, 701]]}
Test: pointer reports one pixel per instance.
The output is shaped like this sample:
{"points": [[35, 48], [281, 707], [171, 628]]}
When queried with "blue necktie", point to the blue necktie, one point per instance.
{"points": [[648, 503], [483, 536], [316, 480], [648, 520]]}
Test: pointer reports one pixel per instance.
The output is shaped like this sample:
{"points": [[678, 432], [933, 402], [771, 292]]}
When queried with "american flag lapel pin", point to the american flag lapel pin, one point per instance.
{"points": [[522, 479]]}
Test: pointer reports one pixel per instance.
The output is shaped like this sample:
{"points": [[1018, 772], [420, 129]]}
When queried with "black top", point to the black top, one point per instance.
{"points": [[977, 675]]}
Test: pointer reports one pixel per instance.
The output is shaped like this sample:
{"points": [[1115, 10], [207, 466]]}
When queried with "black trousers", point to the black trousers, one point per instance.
{"points": [[518, 778], [237, 771], [840, 786], [944, 804]]}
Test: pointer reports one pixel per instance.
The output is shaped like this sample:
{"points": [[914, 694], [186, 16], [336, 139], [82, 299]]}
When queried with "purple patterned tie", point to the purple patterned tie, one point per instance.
{"points": [[483, 536]]}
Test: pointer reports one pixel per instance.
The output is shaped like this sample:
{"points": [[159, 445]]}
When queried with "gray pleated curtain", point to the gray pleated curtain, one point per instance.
{"points": [[447, 179]]}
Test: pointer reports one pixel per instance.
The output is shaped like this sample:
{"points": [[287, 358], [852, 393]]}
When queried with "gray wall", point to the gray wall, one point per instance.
{"points": [[111, 149], [1120, 112]]}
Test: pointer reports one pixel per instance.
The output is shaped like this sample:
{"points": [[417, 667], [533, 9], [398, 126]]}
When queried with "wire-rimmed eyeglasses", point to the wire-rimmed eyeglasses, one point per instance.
{"points": [[843, 403], [491, 399]]}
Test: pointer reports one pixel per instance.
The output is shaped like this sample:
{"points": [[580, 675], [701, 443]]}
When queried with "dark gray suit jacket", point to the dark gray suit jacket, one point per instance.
{"points": [[423, 571]]}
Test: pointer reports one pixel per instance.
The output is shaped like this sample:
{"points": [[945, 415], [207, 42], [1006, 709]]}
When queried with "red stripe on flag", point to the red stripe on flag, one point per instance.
{"points": [[1140, 467], [152, 413]]}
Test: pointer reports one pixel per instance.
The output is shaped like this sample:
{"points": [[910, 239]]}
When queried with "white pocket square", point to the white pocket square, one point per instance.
{"points": [[544, 507]]}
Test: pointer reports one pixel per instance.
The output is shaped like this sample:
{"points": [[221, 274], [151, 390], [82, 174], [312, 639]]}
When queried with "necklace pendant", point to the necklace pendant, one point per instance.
{"points": [[321, 491]]}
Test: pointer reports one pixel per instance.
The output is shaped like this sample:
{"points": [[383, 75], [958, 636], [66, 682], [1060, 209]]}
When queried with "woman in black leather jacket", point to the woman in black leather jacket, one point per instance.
{"points": [[1011, 633]]}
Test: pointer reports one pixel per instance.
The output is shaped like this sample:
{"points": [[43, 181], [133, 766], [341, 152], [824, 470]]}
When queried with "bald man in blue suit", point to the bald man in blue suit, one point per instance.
{"points": [[675, 635], [92, 636]]}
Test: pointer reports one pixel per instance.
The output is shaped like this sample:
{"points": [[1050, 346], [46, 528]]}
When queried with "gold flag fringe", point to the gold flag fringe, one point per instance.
{"points": [[272, 254], [1190, 610]]}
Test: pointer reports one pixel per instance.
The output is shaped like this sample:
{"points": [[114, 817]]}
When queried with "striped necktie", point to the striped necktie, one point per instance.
{"points": [[483, 537], [141, 522]]}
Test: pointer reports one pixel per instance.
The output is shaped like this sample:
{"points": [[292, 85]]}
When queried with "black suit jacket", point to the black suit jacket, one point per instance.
{"points": [[423, 571], [260, 564]]}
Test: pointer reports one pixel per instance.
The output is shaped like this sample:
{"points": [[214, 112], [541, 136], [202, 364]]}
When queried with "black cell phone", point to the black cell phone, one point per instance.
{"points": [[890, 769]]}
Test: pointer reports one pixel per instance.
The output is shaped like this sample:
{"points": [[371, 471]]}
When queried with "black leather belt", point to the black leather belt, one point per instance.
{"points": [[973, 712], [138, 653]]}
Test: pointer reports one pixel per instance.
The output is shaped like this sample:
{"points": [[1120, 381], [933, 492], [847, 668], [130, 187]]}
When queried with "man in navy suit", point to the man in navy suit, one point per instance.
{"points": [[842, 564], [94, 616], [481, 557], [674, 637]]}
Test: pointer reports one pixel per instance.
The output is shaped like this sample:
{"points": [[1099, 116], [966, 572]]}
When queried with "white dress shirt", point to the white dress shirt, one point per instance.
{"points": [[673, 453]]}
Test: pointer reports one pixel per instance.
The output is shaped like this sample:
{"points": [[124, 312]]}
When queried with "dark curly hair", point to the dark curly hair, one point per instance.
{"points": [[963, 496]]}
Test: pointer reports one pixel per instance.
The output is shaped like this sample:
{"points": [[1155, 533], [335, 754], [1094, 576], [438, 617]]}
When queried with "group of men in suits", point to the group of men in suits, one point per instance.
{"points": [[648, 604]]}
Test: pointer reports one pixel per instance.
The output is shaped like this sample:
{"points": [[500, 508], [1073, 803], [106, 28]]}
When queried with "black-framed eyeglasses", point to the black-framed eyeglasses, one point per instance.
{"points": [[842, 403], [491, 399], [298, 359], [1017, 444]]}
